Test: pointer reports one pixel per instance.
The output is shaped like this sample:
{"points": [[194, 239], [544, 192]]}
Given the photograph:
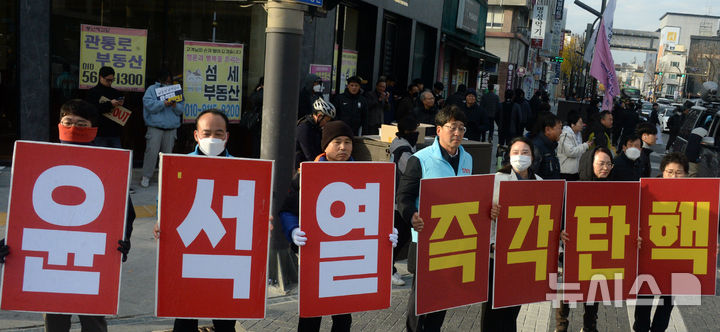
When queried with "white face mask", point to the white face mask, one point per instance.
{"points": [[520, 163], [632, 153], [211, 146], [318, 88]]}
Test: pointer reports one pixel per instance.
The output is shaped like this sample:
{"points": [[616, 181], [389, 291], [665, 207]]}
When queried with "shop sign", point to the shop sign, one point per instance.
{"points": [[317, 3], [213, 79], [559, 6], [468, 16], [510, 71], [537, 33], [123, 49], [521, 71]]}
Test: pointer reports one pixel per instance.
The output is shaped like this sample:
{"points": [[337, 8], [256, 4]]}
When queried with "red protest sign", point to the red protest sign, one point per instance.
{"points": [[527, 240], [213, 249], [346, 210], [678, 225], [453, 250], [601, 219], [67, 213]]}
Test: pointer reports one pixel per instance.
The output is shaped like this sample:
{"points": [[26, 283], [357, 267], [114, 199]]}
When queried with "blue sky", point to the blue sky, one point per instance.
{"points": [[637, 15]]}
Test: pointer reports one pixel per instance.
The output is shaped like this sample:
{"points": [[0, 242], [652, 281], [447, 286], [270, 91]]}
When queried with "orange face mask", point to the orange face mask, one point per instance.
{"points": [[77, 134]]}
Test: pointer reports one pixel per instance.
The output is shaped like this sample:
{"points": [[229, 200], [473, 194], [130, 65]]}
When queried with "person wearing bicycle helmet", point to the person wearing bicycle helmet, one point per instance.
{"points": [[309, 131]]}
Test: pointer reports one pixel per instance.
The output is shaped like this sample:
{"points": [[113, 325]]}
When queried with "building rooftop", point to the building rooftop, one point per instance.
{"points": [[691, 15]]}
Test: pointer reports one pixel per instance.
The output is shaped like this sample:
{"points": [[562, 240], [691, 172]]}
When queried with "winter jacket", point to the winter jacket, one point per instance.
{"points": [[156, 114], [423, 115], [625, 169], [477, 121], [351, 109], [106, 127], [570, 148], [490, 102], [308, 139], [546, 163], [375, 113], [307, 96], [400, 151]]}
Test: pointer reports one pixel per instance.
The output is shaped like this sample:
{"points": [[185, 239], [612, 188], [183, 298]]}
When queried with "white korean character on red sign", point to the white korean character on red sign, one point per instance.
{"points": [[67, 212], [212, 257]]}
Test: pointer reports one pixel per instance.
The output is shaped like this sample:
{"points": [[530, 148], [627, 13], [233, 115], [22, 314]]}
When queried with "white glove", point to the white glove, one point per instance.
{"points": [[394, 237], [299, 237]]}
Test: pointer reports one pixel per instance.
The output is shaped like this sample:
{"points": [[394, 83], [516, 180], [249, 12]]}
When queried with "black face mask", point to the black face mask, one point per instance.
{"points": [[412, 138]]}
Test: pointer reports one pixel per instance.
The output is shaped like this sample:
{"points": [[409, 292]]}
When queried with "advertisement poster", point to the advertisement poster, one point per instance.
{"points": [[213, 248], [526, 241], [68, 205], [212, 79], [453, 249], [346, 212], [324, 72], [601, 219], [678, 224], [348, 67], [123, 49]]}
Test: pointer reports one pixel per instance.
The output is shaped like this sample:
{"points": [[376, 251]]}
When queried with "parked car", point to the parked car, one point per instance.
{"points": [[664, 114], [709, 154], [646, 109]]}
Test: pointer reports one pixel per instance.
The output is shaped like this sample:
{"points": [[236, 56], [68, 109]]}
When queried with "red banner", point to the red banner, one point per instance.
{"points": [[346, 211], [527, 241], [678, 224], [213, 248], [66, 216], [601, 255], [453, 251]]}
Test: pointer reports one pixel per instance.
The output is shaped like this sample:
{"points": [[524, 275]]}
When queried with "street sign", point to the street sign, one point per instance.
{"points": [[317, 3]]}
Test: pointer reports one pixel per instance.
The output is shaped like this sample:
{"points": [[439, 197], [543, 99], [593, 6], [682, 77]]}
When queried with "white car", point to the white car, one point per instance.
{"points": [[664, 114]]}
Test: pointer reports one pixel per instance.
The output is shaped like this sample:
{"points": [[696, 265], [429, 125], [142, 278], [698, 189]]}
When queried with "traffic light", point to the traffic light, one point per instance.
{"points": [[659, 73], [557, 59], [682, 76]]}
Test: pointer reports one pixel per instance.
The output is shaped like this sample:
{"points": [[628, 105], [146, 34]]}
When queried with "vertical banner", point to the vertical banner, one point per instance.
{"points": [[67, 212], [348, 67], [123, 49], [213, 79], [346, 210], [678, 225], [213, 248], [454, 245], [601, 219], [537, 29], [527, 241]]}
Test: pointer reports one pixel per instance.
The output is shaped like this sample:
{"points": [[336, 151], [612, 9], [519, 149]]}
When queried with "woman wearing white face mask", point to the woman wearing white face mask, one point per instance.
{"points": [[521, 157], [627, 163]]}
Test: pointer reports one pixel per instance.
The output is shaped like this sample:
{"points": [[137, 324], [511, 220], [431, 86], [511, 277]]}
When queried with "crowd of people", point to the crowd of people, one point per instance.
{"points": [[595, 146]]}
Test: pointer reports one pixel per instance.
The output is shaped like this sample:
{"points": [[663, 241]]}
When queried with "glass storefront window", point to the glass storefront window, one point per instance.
{"points": [[169, 24], [8, 79]]}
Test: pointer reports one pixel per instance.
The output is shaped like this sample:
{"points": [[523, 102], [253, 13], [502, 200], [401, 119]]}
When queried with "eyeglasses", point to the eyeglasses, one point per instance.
{"points": [[81, 123], [604, 164], [676, 173], [454, 128]]}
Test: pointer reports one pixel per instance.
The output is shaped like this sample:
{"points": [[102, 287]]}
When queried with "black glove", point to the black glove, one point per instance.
{"points": [[4, 251], [124, 248]]}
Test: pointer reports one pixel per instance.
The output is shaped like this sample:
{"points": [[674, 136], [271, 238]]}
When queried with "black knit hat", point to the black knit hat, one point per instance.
{"points": [[334, 129]]}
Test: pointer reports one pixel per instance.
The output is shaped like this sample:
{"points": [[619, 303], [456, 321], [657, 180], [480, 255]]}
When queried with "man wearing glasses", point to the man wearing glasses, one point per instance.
{"points": [[444, 158], [108, 130]]}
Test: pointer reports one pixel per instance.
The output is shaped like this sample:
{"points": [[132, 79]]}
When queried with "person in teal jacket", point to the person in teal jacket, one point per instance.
{"points": [[444, 158], [162, 118]]}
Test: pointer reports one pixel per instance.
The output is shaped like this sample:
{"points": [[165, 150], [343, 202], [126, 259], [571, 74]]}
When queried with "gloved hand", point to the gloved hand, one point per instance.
{"points": [[298, 237], [4, 251], [394, 237], [124, 248]]}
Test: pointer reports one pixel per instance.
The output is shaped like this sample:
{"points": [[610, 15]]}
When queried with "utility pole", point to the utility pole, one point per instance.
{"points": [[280, 103]]}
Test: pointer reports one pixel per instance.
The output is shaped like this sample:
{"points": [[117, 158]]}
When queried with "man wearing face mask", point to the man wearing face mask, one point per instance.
{"points": [[211, 136], [162, 118], [78, 121], [312, 90], [627, 164]]}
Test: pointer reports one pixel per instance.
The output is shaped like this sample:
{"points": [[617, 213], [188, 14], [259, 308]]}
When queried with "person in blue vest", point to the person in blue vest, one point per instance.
{"points": [[444, 158], [211, 136]]}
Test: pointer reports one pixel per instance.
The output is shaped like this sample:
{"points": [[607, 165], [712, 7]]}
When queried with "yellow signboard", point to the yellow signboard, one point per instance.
{"points": [[123, 49], [212, 79]]}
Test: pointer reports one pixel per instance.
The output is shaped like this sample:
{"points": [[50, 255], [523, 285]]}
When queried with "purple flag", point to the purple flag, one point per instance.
{"points": [[603, 68]]}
